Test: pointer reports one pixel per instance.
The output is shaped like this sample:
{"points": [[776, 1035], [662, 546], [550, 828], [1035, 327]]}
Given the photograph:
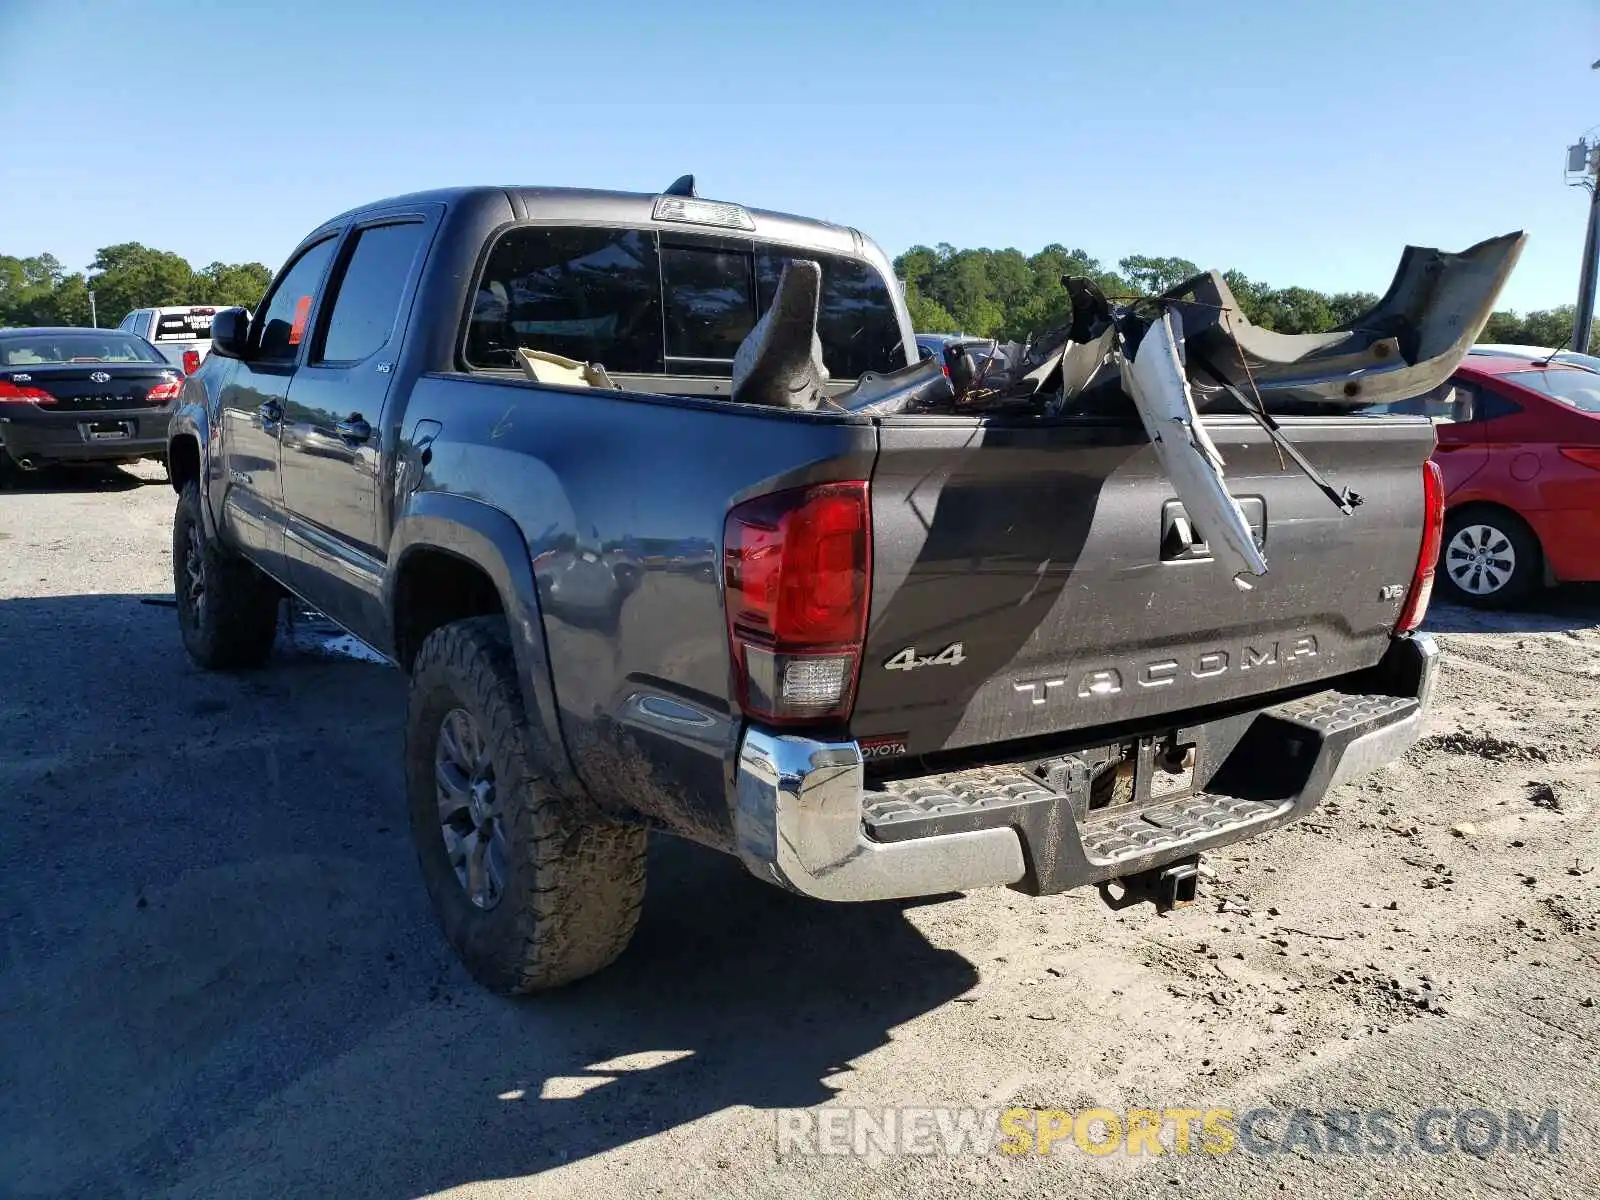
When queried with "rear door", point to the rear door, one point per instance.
{"points": [[252, 404], [1031, 577], [334, 420]]}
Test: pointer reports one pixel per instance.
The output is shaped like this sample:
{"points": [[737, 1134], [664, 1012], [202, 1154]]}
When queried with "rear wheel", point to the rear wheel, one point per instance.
{"points": [[1490, 558], [227, 608], [531, 890]]}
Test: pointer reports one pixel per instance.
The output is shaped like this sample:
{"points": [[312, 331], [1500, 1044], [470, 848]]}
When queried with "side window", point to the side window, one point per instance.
{"points": [[1491, 405], [589, 294], [283, 321], [366, 296], [857, 322], [1452, 401]]}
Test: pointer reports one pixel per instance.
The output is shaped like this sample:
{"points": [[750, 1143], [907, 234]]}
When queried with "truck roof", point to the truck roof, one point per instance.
{"points": [[631, 208]]}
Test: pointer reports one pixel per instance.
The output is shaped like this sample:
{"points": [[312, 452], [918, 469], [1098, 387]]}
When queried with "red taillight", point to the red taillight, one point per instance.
{"points": [[12, 393], [797, 571], [191, 361], [163, 392], [1416, 605], [1587, 456]]}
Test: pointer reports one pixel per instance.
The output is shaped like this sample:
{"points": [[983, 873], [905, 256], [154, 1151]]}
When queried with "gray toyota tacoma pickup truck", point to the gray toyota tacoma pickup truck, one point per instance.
{"points": [[871, 655]]}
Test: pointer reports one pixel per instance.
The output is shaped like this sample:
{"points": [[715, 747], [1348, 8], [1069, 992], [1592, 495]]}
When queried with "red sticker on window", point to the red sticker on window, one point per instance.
{"points": [[302, 309]]}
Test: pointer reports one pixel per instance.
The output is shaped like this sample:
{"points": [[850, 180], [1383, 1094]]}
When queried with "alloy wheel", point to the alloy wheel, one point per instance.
{"points": [[194, 566], [470, 816]]}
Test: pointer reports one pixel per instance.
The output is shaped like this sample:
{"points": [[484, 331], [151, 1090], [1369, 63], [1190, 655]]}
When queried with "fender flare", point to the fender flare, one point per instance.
{"points": [[190, 421], [490, 540]]}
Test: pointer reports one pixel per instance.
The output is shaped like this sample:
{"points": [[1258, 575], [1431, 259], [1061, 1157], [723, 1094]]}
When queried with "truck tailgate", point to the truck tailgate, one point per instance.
{"points": [[1033, 577]]}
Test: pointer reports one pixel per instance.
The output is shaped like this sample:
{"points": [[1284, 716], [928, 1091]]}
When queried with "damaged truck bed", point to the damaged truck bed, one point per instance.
{"points": [[665, 472], [1407, 344]]}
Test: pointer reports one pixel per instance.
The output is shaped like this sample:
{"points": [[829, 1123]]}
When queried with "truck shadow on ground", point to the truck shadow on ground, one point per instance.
{"points": [[219, 973], [1556, 610], [55, 480]]}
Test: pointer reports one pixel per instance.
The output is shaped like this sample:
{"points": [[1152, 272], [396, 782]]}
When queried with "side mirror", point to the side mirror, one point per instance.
{"points": [[230, 332]]}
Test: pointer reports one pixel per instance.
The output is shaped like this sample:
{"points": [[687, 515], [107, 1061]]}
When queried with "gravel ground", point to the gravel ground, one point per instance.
{"points": [[219, 975]]}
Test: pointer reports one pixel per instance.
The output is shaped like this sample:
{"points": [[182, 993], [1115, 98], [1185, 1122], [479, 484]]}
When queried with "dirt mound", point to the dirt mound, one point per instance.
{"points": [[1483, 745]]}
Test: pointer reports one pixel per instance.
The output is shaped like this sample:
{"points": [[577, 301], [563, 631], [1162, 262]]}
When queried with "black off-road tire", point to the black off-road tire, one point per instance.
{"points": [[574, 884], [232, 624], [1515, 555]]}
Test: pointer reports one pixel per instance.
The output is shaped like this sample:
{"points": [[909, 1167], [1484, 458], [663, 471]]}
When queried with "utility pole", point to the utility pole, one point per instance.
{"points": [[94, 317], [1583, 170]]}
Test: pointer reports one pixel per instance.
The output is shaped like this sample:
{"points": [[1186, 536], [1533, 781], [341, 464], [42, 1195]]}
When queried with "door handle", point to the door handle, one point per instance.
{"points": [[271, 411], [354, 429]]}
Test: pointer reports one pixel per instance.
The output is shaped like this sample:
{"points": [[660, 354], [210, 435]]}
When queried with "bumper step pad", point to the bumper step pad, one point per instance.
{"points": [[1329, 713], [1113, 837], [976, 799], [993, 796]]}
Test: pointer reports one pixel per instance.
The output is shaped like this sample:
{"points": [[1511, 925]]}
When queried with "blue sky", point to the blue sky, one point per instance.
{"points": [[1299, 147]]}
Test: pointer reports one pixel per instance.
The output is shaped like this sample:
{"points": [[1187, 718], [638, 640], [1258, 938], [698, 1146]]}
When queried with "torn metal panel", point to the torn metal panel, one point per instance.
{"points": [[1155, 380], [1408, 343], [919, 388]]}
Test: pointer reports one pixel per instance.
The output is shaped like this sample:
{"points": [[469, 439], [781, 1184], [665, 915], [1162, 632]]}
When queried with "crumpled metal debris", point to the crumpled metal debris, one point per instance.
{"points": [[1176, 356], [1192, 350], [1154, 377], [919, 388]]}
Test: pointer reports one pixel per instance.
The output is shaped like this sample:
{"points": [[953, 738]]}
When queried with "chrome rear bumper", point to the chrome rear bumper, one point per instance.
{"points": [[800, 805]]}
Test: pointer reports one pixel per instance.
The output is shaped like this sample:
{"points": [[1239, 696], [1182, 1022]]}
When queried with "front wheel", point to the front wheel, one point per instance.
{"points": [[532, 891], [1490, 558]]}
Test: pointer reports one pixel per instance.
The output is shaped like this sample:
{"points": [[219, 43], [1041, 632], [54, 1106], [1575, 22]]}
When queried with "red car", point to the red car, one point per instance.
{"points": [[1519, 449]]}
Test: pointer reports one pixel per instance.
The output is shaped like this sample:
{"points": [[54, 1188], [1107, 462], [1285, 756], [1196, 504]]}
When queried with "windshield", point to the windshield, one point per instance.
{"points": [[48, 349], [1573, 386]]}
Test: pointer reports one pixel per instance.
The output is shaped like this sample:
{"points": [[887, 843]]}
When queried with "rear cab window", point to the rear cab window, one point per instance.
{"points": [[589, 294], [184, 325], [642, 302]]}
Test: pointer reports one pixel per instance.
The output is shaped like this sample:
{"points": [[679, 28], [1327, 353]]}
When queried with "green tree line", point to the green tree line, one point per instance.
{"points": [[1006, 294], [40, 291], [993, 293]]}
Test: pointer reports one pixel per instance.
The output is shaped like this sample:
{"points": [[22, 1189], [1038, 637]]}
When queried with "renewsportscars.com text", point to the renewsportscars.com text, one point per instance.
{"points": [[875, 1132]]}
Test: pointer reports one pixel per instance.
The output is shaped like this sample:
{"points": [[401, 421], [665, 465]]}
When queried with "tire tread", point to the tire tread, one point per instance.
{"points": [[579, 910]]}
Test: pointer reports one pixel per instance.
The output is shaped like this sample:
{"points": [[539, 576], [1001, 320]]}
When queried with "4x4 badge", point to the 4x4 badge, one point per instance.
{"points": [[952, 655]]}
